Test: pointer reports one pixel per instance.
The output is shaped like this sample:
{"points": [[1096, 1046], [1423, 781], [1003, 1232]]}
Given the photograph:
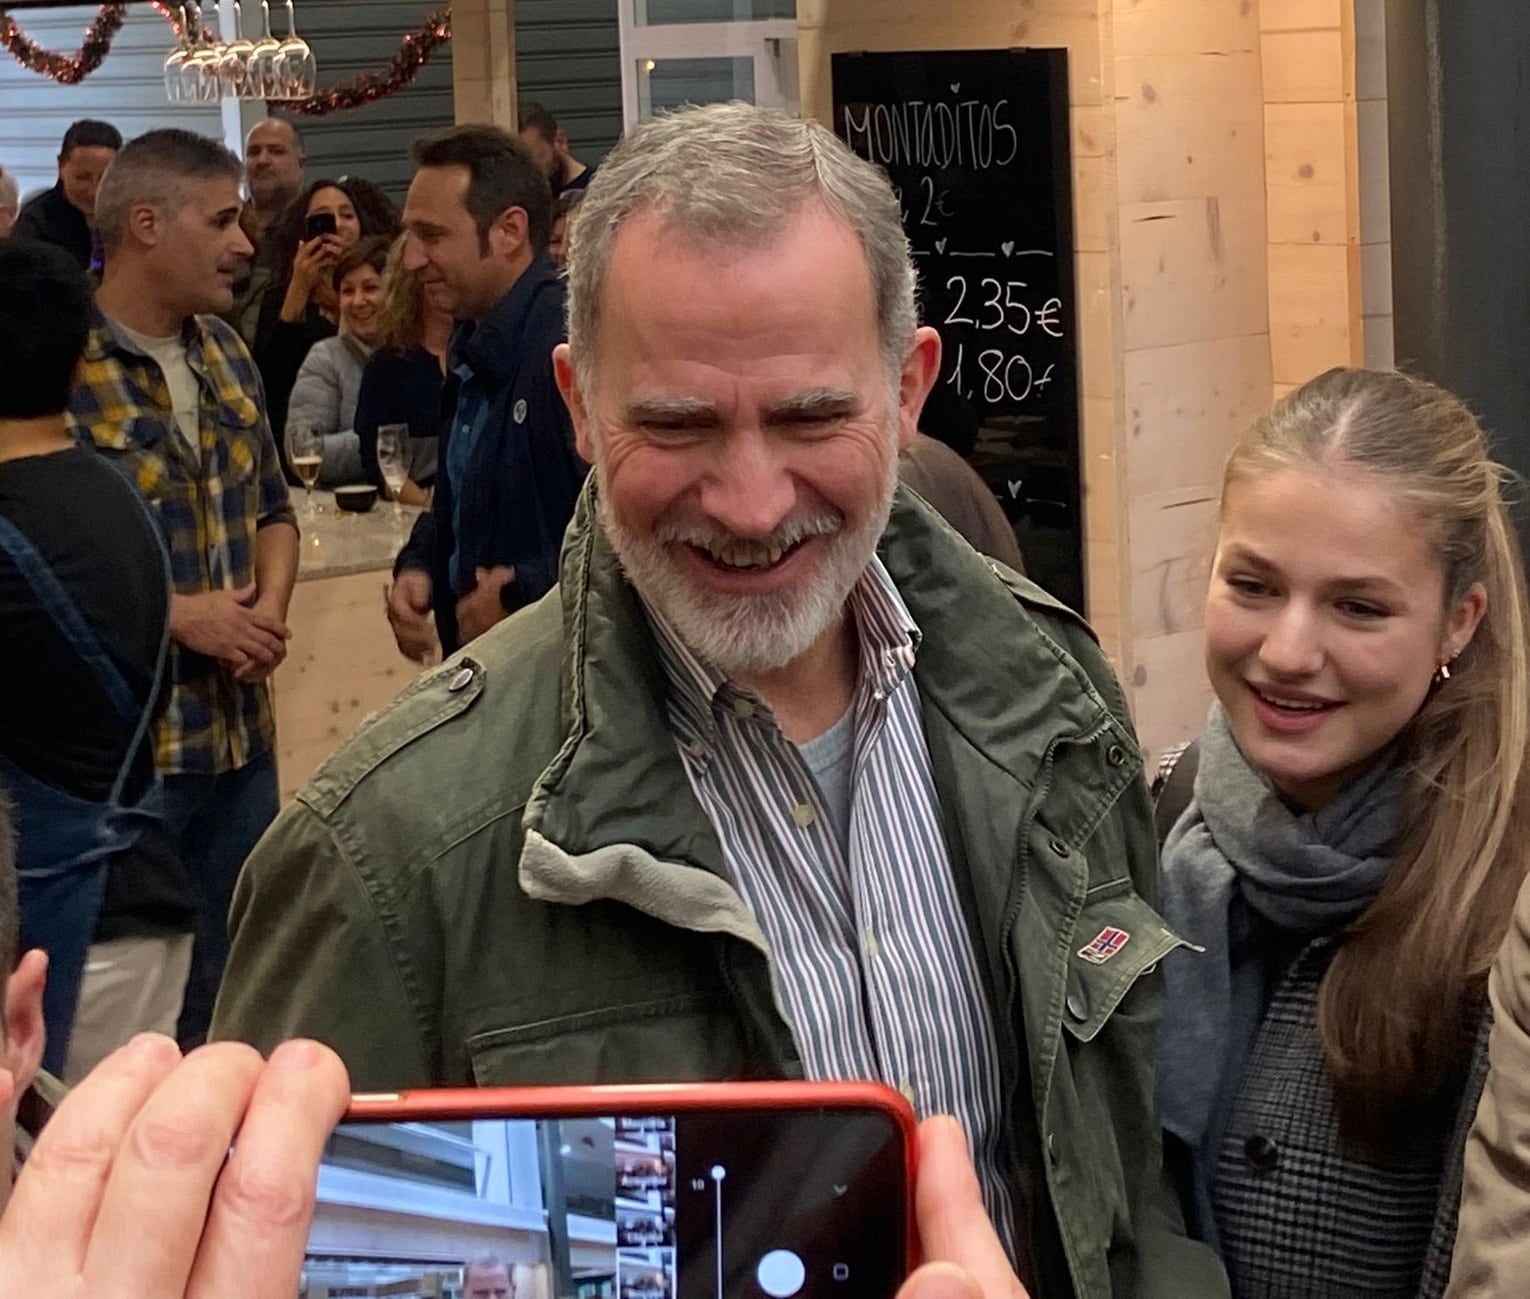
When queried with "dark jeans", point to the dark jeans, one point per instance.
{"points": [[215, 822], [58, 914]]}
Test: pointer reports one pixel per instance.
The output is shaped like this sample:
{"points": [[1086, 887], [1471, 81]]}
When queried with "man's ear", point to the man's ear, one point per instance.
{"points": [[22, 1049], [146, 223], [573, 398], [921, 367], [509, 233]]}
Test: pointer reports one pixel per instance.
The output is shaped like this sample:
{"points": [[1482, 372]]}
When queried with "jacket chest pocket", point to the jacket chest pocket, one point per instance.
{"points": [[1118, 941], [687, 1037]]}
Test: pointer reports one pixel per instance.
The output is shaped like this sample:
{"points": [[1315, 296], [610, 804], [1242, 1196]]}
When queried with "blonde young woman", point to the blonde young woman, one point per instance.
{"points": [[1358, 831]]}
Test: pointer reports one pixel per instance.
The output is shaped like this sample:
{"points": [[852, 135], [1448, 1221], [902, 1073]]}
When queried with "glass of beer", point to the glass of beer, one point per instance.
{"points": [[305, 450]]}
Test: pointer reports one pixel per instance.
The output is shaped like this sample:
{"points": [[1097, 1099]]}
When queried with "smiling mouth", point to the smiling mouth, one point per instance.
{"points": [[1291, 705], [746, 557]]}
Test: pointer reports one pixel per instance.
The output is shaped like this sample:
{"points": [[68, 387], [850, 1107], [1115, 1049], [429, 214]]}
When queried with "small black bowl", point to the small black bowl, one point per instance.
{"points": [[357, 498]]}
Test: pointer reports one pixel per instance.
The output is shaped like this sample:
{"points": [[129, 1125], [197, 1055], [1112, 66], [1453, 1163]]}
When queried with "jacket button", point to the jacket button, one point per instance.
{"points": [[1261, 1151], [1077, 1006], [1059, 847], [1115, 755], [461, 680]]}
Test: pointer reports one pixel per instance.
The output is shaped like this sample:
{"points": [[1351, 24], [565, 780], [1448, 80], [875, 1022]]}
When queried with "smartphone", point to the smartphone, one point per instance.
{"points": [[696, 1191], [318, 223]]}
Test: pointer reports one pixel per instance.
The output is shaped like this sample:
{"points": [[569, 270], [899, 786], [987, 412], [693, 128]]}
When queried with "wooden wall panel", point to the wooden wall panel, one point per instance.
{"points": [[1195, 318], [1313, 188]]}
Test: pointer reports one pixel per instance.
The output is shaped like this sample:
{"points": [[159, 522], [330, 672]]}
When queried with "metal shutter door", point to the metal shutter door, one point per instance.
{"points": [[568, 59], [127, 90]]}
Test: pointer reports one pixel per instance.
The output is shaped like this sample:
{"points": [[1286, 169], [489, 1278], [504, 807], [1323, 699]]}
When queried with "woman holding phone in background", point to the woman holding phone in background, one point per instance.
{"points": [[1358, 830], [301, 306]]}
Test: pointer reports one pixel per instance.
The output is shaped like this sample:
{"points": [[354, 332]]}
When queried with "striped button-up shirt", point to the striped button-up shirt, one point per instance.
{"points": [[872, 957], [209, 507]]}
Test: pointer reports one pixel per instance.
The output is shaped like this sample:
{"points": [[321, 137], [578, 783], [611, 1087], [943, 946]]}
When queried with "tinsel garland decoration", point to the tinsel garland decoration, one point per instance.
{"points": [[69, 69], [368, 87]]}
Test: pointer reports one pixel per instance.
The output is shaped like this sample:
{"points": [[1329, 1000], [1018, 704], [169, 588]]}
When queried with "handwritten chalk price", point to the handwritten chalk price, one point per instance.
{"points": [[1000, 305], [1002, 376]]}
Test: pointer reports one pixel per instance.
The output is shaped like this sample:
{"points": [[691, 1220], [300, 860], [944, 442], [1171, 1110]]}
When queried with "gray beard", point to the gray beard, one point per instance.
{"points": [[749, 635]]}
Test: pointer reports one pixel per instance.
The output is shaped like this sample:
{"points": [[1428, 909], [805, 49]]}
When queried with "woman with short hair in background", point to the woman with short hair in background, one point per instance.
{"points": [[1357, 834], [324, 396]]}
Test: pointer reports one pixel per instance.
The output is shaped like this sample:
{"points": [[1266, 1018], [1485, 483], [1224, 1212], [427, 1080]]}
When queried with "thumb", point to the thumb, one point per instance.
{"points": [[940, 1281], [953, 1223]]}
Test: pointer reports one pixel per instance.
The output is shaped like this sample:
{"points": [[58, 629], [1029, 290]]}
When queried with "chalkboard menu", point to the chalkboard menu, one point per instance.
{"points": [[976, 143]]}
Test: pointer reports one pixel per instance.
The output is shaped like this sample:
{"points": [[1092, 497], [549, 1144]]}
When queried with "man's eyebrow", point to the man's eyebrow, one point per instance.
{"points": [[670, 409], [814, 403]]}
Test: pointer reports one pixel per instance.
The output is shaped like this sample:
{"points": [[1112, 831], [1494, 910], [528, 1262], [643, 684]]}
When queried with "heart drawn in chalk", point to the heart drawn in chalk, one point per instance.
{"points": [[1008, 246], [940, 245], [956, 87], [1015, 484]]}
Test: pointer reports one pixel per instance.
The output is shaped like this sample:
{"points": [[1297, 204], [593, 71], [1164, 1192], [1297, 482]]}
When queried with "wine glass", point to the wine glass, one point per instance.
{"points": [[393, 462], [265, 60], [234, 62], [305, 450], [175, 63], [200, 71], [299, 69]]}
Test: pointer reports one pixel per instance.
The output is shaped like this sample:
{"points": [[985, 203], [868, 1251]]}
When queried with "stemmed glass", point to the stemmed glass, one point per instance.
{"points": [[199, 74], [305, 450], [393, 462], [175, 63], [264, 81], [234, 61], [299, 69]]}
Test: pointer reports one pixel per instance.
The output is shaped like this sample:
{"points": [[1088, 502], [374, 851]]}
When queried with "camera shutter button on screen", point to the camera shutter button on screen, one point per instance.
{"points": [[781, 1274]]}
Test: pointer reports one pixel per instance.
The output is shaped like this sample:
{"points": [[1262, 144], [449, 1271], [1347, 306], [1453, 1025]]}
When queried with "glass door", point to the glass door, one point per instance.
{"points": [[678, 52]]}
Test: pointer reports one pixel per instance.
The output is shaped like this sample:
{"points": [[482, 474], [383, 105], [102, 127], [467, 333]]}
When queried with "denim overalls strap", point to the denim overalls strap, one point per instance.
{"points": [[82, 638], [64, 842]]}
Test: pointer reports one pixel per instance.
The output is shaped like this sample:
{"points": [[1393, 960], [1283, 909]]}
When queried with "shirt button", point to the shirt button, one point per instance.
{"points": [[743, 708], [697, 748], [1115, 755], [1261, 1151], [461, 680], [804, 815], [870, 943], [1077, 1006], [907, 1088]]}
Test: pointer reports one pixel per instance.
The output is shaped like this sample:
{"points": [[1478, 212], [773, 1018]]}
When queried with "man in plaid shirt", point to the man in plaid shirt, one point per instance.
{"points": [[170, 393]]}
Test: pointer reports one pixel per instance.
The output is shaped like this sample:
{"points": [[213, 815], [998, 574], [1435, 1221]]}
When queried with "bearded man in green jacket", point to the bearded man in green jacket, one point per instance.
{"points": [[784, 780]]}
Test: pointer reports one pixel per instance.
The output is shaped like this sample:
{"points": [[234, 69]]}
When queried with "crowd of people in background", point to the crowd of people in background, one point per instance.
{"points": [[740, 787]]}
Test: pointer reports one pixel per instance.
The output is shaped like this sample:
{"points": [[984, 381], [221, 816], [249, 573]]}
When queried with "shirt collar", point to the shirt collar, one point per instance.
{"points": [[699, 690], [106, 337]]}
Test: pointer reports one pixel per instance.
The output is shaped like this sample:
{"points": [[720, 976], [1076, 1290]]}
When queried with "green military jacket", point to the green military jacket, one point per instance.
{"points": [[505, 878]]}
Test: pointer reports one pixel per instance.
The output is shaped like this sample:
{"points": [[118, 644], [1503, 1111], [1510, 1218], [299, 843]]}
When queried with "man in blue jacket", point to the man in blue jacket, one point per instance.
{"points": [[477, 218]]}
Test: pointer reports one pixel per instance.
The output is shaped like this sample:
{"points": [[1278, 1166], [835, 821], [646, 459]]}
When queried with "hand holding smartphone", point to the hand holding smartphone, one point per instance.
{"points": [[710, 1191]]}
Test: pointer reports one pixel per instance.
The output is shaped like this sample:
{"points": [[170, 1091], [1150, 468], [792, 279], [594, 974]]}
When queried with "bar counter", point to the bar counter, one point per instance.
{"points": [[342, 663]]}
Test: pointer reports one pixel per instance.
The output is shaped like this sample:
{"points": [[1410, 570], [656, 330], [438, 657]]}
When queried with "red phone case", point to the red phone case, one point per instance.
{"points": [[652, 1098]]}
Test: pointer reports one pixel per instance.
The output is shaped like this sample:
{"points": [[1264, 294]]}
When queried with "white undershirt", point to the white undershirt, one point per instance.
{"points": [[185, 399]]}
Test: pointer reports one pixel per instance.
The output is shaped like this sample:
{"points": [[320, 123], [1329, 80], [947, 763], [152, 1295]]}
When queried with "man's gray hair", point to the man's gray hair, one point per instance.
{"points": [[154, 169], [733, 175], [488, 1263], [10, 189]]}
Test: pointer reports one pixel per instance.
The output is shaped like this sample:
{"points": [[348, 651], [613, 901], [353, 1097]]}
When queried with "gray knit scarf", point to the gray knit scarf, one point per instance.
{"points": [[1239, 852]]}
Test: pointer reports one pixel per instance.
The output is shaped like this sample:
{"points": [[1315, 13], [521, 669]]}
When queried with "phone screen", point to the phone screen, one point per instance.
{"points": [[717, 1204]]}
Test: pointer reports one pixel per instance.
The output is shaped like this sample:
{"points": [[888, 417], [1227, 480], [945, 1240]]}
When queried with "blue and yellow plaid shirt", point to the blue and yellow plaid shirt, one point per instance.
{"points": [[208, 510]]}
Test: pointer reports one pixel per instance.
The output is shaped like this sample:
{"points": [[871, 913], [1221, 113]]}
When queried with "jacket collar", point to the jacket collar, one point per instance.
{"points": [[490, 348], [988, 669]]}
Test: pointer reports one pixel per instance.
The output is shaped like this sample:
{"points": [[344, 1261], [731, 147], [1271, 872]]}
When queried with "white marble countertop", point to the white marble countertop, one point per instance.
{"points": [[335, 544]]}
